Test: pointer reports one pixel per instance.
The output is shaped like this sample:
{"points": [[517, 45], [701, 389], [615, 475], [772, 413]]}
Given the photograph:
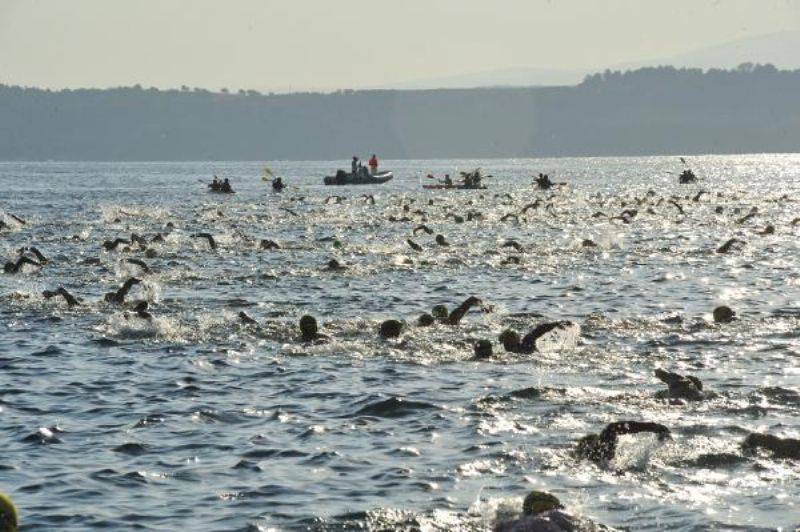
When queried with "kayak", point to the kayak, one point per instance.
{"points": [[344, 178], [212, 191], [442, 186]]}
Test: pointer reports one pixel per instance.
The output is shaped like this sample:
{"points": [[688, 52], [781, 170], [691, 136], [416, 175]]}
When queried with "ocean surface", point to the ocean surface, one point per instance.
{"points": [[196, 421]]}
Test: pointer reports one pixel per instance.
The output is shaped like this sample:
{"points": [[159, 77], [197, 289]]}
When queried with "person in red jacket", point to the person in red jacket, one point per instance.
{"points": [[373, 164]]}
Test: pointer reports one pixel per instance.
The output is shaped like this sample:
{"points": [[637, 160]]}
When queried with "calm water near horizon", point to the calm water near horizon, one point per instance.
{"points": [[196, 421]]}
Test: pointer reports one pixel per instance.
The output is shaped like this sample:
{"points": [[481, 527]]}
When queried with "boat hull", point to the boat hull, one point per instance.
{"points": [[349, 179], [451, 187]]}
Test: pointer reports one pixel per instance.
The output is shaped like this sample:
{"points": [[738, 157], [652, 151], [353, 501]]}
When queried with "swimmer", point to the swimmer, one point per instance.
{"points": [[602, 447], [442, 241], [506, 195], [140, 263], [458, 313], [269, 244], [768, 230], [514, 344], [245, 319], [543, 512], [39, 255], [680, 387], [423, 228], [15, 267], [425, 320], [334, 266], [733, 243], [677, 206], [69, 298], [390, 329], [414, 245], [111, 245], [17, 219], [529, 206], [747, 217], [309, 330], [119, 296], [626, 216], [482, 349], [211, 242], [778, 447], [140, 311], [136, 239], [9, 520]]}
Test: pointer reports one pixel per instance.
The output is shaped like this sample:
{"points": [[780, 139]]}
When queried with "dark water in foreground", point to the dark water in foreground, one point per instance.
{"points": [[197, 422]]}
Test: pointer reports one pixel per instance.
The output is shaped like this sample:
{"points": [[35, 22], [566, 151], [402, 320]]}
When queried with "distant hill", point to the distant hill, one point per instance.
{"points": [[509, 77], [780, 49], [648, 111]]}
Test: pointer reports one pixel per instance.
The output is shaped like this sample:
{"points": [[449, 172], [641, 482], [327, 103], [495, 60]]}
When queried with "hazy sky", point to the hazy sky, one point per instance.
{"points": [[324, 44]]}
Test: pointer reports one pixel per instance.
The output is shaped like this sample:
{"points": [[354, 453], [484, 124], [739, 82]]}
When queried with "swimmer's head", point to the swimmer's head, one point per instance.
{"points": [[538, 502], [308, 327], [510, 340], [9, 520]]}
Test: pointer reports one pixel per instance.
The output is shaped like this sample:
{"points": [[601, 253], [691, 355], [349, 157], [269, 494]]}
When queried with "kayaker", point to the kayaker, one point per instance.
{"points": [[448, 180], [373, 164], [226, 186], [543, 181], [214, 184]]}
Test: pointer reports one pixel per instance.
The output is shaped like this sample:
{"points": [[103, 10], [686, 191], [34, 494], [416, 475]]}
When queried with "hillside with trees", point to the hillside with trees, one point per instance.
{"points": [[754, 108]]}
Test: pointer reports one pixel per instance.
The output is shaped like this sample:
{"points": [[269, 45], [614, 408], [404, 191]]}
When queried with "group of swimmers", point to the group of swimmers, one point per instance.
{"points": [[471, 180], [599, 448], [221, 186]]}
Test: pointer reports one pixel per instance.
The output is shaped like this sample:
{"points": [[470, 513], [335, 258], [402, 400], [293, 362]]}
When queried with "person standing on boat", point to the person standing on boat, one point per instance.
{"points": [[354, 166], [373, 164]]}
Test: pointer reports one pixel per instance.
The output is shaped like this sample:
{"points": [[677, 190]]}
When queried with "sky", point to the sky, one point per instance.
{"points": [[282, 45]]}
